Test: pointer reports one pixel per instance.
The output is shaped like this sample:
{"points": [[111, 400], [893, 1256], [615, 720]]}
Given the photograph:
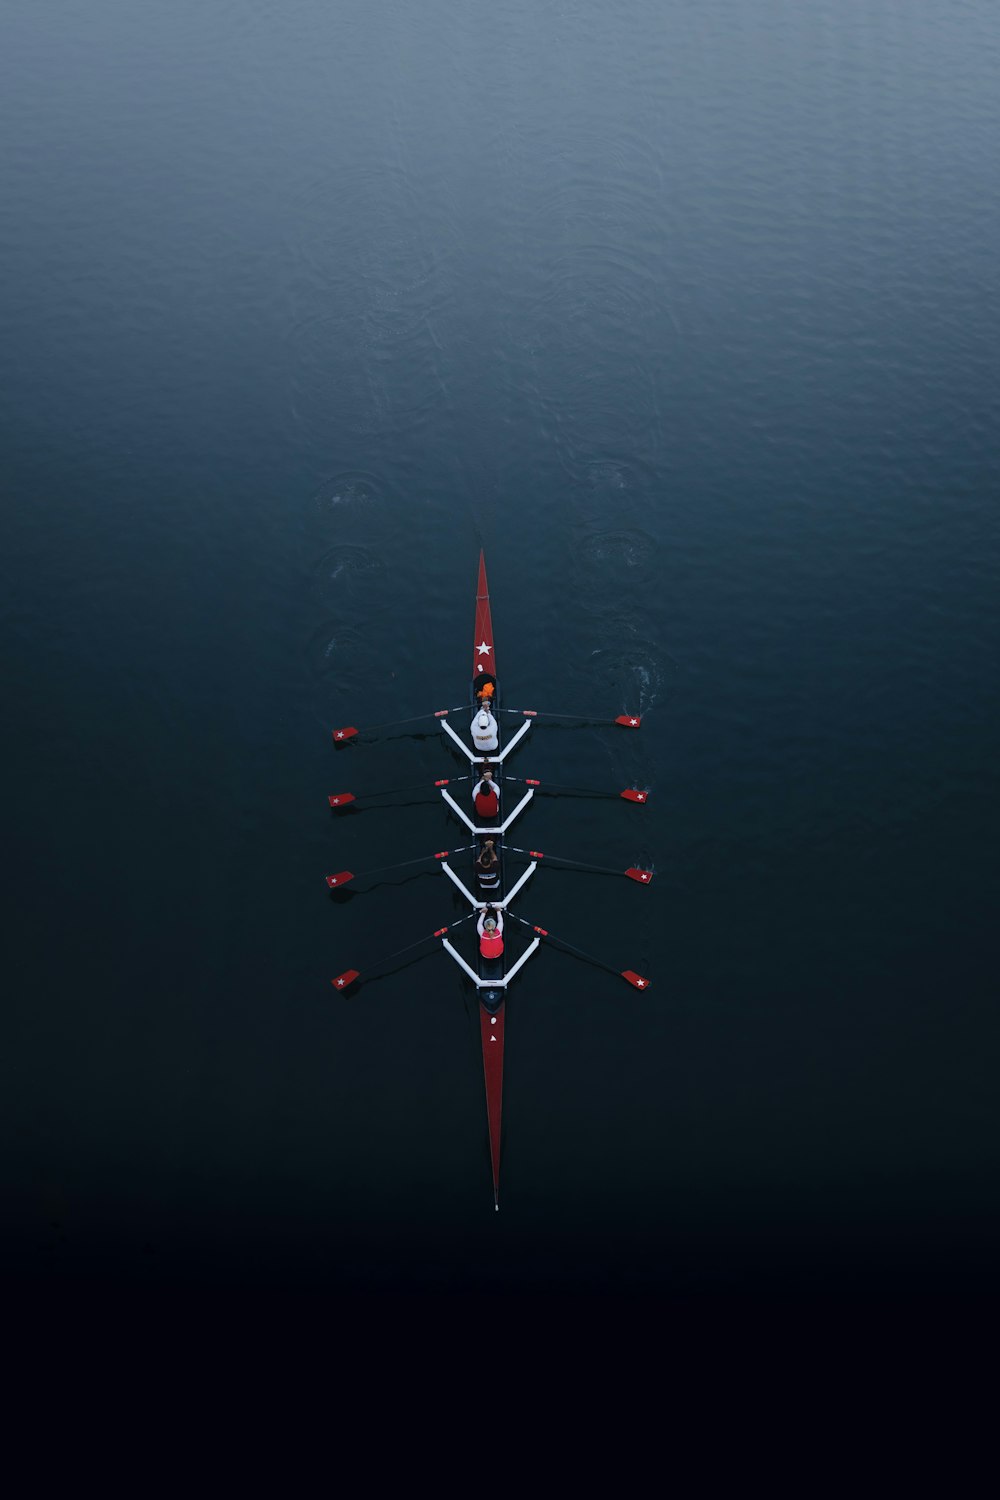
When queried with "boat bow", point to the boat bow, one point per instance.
{"points": [[483, 655]]}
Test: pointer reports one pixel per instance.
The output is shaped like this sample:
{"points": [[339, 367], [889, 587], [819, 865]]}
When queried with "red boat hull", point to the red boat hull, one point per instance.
{"points": [[483, 655], [491, 1028]]}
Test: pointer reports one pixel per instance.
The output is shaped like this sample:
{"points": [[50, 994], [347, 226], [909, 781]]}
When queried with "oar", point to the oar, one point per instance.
{"points": [[350, 975], [634, 872], [343, 877], [636, 980], [350, 731], [630, 794], [342, 799], [627, 721]]}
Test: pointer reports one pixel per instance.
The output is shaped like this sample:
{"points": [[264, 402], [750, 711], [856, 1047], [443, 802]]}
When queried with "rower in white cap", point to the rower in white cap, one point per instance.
{"points": [[484, 730]]}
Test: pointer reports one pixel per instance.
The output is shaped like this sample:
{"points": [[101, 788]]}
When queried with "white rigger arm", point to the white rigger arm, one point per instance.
{"points": [[515, 968], [446, 867], [484, 905], [479, 983], [514, 741], [498, 755], [491, 984], [471, 754], [525, 877], [460, 812]]}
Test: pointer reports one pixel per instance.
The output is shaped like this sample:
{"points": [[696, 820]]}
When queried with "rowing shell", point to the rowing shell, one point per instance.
{"points": [[491, 976], [491, 1012]]}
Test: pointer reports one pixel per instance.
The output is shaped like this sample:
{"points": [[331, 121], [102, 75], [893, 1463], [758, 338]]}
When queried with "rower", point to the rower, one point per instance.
{"points": [[488, 867], [490, 929], [486, 794], [484, 729]]}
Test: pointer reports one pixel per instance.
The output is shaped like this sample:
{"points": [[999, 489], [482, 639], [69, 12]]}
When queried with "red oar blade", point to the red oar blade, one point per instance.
{"points": [[644, 877], [629, 721], [633, 794], [340, 799], [636, 979], [343, 980], [341, 878], [347, 733]]}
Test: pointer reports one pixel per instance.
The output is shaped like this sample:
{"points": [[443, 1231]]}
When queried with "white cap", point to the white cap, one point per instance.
{"points": [[484, 719]]}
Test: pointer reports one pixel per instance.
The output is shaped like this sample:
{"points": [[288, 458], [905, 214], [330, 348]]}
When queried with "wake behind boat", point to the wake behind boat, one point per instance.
{"points": [[493, 964]]}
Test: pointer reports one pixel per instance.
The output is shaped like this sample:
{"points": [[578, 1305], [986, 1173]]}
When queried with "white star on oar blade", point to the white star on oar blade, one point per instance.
{"points": [[483, 649]]}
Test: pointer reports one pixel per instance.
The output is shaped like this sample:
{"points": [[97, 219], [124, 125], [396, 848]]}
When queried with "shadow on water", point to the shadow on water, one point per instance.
{"points": [[367, 981], [351, 810], [344, 896]]}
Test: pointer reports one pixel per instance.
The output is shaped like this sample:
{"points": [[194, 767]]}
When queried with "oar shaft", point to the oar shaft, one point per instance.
{"points": [[394, 724], [351, 732], [405, 864], [634, 872], [414, 786], [427, 937], [392, 791], [538, 714], [556, 786], [627, 721], [638, 981], [579, 864], [553, 938]]}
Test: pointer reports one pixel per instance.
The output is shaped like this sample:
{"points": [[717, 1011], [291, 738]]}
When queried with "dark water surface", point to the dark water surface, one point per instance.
{"points": [[688, 313]]}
